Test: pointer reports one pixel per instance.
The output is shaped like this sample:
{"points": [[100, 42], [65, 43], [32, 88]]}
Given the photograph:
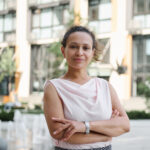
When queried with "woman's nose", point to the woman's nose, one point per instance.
{"points": [[79, 51]]}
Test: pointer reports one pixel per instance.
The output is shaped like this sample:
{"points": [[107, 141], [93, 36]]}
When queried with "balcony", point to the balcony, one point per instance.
{"points": [[139, 25]]}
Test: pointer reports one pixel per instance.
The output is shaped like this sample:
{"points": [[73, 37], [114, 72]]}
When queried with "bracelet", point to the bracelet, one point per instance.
{"points": [[87, 127]]}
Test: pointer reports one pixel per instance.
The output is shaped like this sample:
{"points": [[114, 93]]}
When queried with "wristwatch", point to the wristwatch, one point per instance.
{"points": [[87, 127]]}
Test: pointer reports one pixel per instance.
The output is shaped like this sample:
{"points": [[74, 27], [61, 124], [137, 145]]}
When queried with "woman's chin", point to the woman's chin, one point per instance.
{"points": [[79, 67]]}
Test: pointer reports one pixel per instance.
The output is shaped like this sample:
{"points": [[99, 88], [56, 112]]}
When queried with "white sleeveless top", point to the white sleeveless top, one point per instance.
{"points": [[88, 102]]}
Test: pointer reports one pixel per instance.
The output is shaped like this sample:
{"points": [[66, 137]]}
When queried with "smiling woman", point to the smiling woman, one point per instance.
{"points": [[82, 112], [78, 51]]}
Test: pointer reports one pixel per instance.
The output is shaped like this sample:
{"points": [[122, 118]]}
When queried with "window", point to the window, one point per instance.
{"points": [[45, 1], [49, 22], [44, 65], [1, 5], [7, 27], [141, 12], [141, 59], [7, 4], [141, 7], [105, 44], [99, 18], [39, 1]]}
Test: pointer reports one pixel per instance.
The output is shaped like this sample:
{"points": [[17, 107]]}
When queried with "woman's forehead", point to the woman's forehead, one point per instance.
{"points": [[80, 37]]}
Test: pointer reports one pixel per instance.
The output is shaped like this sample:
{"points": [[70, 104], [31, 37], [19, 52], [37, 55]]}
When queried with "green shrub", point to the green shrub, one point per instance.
{"points": [[32, 111], [138, 115], [6, 116]]}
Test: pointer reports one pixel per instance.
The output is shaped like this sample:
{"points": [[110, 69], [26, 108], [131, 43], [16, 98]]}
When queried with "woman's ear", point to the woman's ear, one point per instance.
{"points": [[63, 51]]}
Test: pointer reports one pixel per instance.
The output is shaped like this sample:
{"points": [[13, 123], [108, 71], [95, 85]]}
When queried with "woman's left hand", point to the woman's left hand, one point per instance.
{"points": [[69, 126]]}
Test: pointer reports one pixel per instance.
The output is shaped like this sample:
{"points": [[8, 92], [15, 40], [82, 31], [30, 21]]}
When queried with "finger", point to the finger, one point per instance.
{"points": [[118, 113], [67, 131], [115, 112], [63, 127], [69, 135]]}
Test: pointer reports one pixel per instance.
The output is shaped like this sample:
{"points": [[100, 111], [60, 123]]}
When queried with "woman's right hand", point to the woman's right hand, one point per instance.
{"points": [[115, 113], [69, 127]]}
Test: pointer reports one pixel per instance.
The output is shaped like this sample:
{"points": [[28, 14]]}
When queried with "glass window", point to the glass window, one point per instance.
{"points": [[49, 21], [93, 2], [103, 14], [36, 33], [10, 36], [93, 13], [46, 32], [1, 5], [147, 21], [141, 60], [140, 19], [5, 5], [1, 37], [7, 27], [14, 23], [45, 1], [46, 17], [1, 24], [94, 26], [139, 6], [66, 16], [57, 16], [57, 31], [105, 1], [8, 22], [103, 43], [147, 47], [140, 51], [104, 26], [36, 20], [148, 5], [141, 13], [40, 58], [97, 12]]}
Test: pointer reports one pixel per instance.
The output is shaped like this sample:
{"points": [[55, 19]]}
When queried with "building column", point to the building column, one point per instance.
{"points": [[120, 49], [22, 49], [81, 12]]}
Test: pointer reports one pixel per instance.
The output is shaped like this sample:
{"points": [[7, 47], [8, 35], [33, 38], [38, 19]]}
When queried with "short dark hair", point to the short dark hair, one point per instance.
{"points": [[73, 29], [78, 29]]}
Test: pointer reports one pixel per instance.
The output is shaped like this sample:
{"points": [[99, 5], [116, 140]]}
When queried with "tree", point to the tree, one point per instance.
{"points": [[7, 66]]}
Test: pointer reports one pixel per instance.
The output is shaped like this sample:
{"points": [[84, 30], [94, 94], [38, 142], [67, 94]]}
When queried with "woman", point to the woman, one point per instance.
{"points": [[82, 112]]}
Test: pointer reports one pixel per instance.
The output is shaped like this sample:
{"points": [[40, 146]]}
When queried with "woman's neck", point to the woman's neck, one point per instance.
{"points": [[77, 75]]}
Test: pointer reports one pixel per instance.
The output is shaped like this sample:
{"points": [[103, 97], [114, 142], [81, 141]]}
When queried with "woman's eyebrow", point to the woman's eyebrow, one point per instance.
{"points": [[79, 43]]}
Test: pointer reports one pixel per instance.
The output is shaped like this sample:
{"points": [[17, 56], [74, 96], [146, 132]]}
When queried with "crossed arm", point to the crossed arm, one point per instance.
{"points": [[74, 131]]}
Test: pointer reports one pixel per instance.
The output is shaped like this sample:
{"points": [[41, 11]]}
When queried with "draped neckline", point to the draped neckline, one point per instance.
{"points": [[78, 84]]}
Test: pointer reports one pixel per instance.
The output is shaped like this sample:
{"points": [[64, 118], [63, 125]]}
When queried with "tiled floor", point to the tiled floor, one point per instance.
{"points": [[137, 139]]}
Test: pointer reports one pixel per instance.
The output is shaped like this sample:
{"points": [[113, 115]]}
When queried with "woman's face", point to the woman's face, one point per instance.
{"points": [[78, 51]]}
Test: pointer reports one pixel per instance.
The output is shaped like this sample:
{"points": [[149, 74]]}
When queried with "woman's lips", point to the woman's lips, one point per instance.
{"points": [[78, 59]]}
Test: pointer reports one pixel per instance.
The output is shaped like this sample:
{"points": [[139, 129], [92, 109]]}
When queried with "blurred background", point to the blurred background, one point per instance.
{"points": [[30, 35]]}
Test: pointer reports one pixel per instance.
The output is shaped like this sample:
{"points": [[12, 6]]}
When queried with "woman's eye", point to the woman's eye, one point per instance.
{"points": [[85, 48], [73, 46]]}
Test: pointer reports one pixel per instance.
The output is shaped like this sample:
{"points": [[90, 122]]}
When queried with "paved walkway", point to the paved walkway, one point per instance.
{"points": [[137, 139]]}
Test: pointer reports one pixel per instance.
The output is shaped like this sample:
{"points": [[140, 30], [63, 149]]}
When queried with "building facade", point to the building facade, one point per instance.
{"points": [[122, 27]]}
